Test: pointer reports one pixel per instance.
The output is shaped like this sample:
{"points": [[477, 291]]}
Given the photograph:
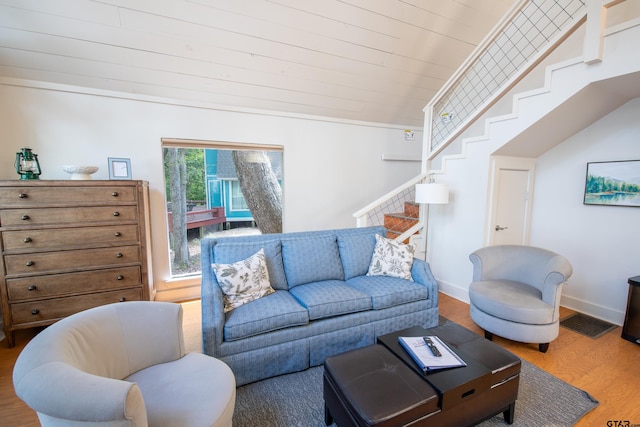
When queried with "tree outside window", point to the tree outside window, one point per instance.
{"points": [[218, 192]]}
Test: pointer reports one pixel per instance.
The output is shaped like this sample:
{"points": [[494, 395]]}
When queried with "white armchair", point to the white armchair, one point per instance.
{"points": [[516, 292], [123, 364]]}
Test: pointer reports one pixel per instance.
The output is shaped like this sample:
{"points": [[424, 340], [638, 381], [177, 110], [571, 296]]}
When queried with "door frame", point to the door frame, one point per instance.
{"points": [[514, 163]]}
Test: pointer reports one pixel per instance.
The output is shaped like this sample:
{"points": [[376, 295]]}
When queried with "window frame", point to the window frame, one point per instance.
{"points": [[180, 281]]}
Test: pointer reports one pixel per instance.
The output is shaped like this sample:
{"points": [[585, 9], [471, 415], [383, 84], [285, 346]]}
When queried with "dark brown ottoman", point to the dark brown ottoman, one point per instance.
{"points": [[380, 385]]}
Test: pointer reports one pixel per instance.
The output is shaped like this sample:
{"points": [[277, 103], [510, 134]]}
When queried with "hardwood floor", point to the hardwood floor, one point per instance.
{"points": [[608, 368]]}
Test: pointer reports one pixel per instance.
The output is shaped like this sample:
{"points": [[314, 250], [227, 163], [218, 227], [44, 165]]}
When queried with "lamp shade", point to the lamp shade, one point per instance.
{"points": [[432, 193]]}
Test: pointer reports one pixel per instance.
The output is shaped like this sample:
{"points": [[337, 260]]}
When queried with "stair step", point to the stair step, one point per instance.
{"points": [[399, 222], [412, 209], [393, 235]]}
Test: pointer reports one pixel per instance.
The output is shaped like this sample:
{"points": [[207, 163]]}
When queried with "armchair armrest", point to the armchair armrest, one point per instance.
{"points": [[146, 343], [558, 270], [61, 391]]}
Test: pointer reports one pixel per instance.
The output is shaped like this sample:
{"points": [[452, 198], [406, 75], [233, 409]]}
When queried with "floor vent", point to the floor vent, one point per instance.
{"points": [[587, 325]]}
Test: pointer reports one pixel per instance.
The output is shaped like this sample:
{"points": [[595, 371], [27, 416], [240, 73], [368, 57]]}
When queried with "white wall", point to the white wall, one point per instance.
{"points": [[599, 241], [331, 168]]}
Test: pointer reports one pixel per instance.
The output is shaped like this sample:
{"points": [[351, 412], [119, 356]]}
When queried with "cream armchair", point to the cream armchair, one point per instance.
{"points": [[123, 364], [516, 292]]}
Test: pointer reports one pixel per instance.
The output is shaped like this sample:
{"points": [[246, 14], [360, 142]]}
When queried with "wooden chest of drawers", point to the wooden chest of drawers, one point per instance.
{"points": [[71, 245]]}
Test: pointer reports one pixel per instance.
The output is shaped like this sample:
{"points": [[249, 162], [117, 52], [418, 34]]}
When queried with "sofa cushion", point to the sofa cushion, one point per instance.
{"points": [[391, 258], [311, 259], [276, 311], [243, 281], [227, 251], [356, 251], [330, 298], [388, 291]]}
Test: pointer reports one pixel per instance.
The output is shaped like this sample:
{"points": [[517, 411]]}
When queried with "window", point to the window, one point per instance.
{"points": [[237, 199], [204, 182]]}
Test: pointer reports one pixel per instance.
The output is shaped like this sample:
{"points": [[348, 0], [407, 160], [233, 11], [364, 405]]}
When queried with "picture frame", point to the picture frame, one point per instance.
{"points": [[119, 168], [614, 183]]}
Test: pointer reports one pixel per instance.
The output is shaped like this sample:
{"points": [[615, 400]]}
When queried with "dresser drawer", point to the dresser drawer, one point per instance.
{"points": [[51, 285], [51, 262], [46, 310], [67, 195], [33, 239], [43, 216]]}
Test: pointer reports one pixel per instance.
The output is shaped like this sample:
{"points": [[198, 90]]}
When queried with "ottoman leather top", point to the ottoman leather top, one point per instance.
{"points": [[404, 398]]}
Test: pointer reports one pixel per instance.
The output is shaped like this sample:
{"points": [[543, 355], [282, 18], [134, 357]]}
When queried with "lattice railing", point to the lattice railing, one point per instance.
{"points": [[392, 202], [530, 29]]}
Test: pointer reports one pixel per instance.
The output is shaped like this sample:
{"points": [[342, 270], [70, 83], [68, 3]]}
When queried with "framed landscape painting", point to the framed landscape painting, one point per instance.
{"points": [[613, 183]]}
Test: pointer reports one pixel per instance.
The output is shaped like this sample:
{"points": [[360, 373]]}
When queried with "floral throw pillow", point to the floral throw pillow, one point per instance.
{"points": [[391, 258], [243, 281]]}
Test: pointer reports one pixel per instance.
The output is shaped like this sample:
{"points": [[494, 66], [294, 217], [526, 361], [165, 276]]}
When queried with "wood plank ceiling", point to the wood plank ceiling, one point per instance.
{"points": [[368, 60]]}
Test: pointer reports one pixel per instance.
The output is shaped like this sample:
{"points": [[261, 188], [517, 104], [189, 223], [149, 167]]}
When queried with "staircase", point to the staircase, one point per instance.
{"points": [[398, 223], [538, 118], [544, 117]]}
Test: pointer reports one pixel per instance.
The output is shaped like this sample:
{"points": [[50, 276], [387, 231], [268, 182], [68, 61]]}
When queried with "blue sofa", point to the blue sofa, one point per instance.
{"points": [[323, 304]]}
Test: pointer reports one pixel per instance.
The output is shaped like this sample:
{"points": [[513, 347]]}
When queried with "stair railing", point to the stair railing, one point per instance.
{"points": [[393, 201], [526, 35]]}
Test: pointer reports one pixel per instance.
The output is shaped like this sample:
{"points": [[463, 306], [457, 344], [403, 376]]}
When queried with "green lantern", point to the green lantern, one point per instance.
{"points": [[27, 164]]}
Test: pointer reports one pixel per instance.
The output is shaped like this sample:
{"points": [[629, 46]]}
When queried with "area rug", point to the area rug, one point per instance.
{"points": [[296, 400], [586, 325]]}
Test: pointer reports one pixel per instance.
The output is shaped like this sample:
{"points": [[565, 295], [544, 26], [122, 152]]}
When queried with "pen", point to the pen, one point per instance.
{"points": [[432, 347]]}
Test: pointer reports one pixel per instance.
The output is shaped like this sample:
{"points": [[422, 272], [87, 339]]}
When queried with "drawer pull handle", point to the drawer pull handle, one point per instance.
{"points": [[119, 255], [29, 263], [117, 234], [32, 288], [35, 311], [27, 240], [116, 214], [114, 194], [119, 277], [22, 196], [25, 217], [122, 299]]}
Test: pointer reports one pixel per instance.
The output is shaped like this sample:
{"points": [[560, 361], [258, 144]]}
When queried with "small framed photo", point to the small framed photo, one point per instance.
{"points": [[119, 168]]}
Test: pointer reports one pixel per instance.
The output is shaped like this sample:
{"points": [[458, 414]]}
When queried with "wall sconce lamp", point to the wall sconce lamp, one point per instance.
{"points": [[27, 165]]}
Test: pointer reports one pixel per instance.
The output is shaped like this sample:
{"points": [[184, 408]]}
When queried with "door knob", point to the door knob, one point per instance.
{"points": [[498, 228]]}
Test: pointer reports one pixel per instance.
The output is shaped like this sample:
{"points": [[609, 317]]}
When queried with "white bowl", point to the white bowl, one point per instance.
{"points": [[80, 172]]}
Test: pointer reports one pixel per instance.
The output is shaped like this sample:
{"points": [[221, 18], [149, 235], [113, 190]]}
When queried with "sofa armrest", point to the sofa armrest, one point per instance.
{"points": [[213, 316], [63, 392], [421, 273]]}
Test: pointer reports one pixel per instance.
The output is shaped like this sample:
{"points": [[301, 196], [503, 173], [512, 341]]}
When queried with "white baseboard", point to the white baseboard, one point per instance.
{"points": [[454, 291], [179, 294], [603, 313]]}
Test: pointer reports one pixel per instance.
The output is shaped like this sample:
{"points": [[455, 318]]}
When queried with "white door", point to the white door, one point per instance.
{"points": [[512, 186]]}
